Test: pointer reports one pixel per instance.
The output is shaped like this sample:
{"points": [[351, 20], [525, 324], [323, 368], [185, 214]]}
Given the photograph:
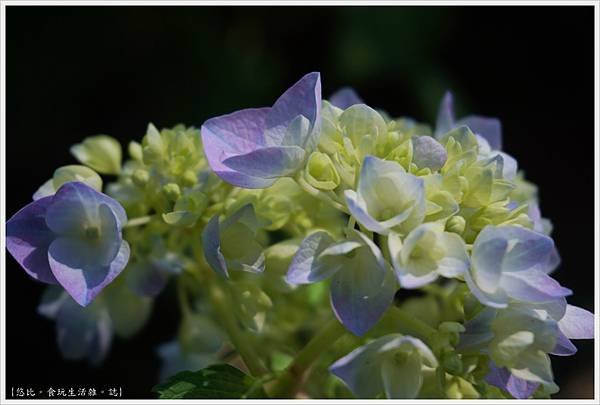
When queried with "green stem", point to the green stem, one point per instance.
{"points": [[409, 325], [287, 384], [319, 194], [183, 299], [138, 221], [241, 342]]}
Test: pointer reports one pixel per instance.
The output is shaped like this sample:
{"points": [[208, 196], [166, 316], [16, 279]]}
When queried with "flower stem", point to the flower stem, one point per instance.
{"points": [[138, 221], [409, 325], [241, 342], [319, 194], [287, 384]]}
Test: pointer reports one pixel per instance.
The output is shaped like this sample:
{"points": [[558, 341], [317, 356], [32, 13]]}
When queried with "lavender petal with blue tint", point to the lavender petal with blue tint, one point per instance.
{"points": [[211, 243], [577, 323], [83, 332], [489, 128], [235, 134], [563, 347], [82, 281], [445, 118], [28, 238], [503, 379], [344, 98], [362, 289], [251, 148]]}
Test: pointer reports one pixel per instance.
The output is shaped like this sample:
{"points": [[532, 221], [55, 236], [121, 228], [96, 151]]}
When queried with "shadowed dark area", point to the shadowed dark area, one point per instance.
{"points": [[79, 71]]}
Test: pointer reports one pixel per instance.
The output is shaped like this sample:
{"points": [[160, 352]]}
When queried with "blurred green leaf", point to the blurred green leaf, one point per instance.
{"points": [[220, 381]]}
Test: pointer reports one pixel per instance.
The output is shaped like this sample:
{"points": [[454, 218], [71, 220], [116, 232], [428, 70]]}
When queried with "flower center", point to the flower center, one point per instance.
{"points": [[92, 232]]}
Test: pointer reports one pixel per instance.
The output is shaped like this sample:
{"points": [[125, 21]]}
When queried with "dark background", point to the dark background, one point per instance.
{"points": [[79, 71]]}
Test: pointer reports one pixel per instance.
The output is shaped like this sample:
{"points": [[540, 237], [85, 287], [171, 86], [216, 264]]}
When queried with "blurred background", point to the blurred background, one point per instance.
{"points": [[79, 71]]}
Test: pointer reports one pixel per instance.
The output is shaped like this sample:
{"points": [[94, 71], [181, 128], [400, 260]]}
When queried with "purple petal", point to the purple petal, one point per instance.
{"points": [[529, 253], [577, 323], [344, 98], [302, 99], [235, 134], [563, 346], [445, 117], [83, 283], [74, 201], [503, 379], [360, 294], [360, 369], [268, 163], [305, 268], [489, 128], [533, 286], [83, 332], [28, 238], [211, 244], [487, 261]]}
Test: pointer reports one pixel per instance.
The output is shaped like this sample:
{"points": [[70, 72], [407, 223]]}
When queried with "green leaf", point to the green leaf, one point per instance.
{"points": [[216, 382]]}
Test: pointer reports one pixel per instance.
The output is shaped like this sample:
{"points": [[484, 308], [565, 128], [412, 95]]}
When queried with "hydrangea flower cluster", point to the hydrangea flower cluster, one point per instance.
{"points": [[291, 236]]}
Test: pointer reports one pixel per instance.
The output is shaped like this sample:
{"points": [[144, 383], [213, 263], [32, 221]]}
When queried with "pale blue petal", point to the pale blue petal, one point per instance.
{"points": [[509, 166], [410, 281], [360, 369], [82, 281], [358, 209], [577, 323], [345, 98], [76, 205], [563, 347], [235, 134], [445, 117], [478, 330], [303, 98], [402, 381], [503, 379], [487, 262], [494, 299], [83, 332], [361, 291], [488, 128], [211, 244], [456, 261], [28, 238], [528, 253], [533, 286], [269, 163], [304, 268]]}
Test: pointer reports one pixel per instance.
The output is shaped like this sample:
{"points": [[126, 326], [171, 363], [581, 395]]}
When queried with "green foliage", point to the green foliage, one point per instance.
{"points": [[220, 381]]}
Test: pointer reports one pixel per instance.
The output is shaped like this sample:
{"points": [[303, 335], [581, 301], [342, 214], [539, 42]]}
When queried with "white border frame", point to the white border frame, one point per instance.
{"points": [[4, 3]]}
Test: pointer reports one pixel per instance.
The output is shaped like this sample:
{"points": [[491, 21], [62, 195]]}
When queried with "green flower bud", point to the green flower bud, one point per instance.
{"points": [[459, 388], [140, 177], [135, 151], [67, 174], [171, 191], [321, 173], [189, 178], [452, 362], [153, 145], [102, 153], [456, 224]]}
